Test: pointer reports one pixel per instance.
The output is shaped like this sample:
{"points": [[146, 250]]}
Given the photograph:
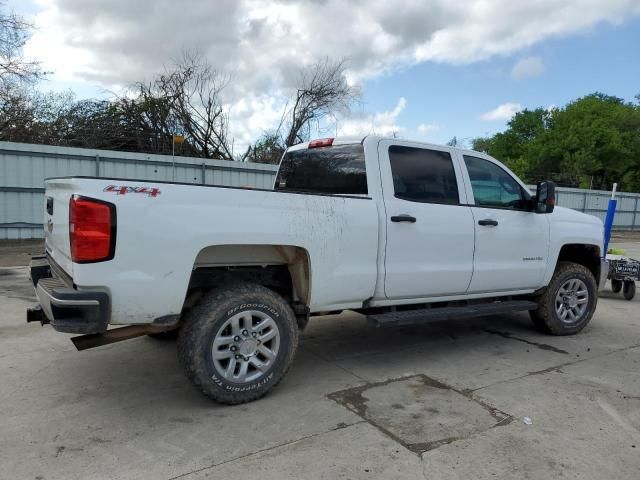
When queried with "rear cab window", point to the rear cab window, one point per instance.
{"points": [[338, 170], [423, 175]]}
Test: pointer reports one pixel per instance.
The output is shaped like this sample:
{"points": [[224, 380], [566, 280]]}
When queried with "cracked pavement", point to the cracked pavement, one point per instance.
{"points": [[421, 403]]}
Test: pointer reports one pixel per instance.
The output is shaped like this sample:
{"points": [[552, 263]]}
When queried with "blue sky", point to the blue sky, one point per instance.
{"points": [[605, 59], [428, 69]]}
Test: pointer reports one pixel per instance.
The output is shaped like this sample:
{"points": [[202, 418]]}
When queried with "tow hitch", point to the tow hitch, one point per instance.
{"points": [[35, 314]]}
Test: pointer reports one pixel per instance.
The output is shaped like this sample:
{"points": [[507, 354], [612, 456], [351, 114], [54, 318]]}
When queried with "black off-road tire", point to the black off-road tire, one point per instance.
{"points": [[616, 285], [629, 290], [203, 322], [545, 317]]}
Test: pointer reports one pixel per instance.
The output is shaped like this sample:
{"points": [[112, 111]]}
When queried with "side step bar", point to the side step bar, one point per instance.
{"points": [[416, 317]]}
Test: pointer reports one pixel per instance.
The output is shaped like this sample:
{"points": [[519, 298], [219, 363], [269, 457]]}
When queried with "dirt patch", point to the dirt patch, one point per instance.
{"points": [[541, 346], [419, 412], [625, 236], [13, 284], [15, 253]]}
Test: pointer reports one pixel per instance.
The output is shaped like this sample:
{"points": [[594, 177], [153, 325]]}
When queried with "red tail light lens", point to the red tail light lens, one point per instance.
{"points": [[92, 230], [321, 142]]}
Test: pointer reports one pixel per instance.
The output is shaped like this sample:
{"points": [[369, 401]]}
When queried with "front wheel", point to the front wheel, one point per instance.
{"points": [[238, 342], [569, 301]]}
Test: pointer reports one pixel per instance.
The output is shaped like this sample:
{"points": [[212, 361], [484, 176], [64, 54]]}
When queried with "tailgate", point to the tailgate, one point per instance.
{"points": [[57, 195]]}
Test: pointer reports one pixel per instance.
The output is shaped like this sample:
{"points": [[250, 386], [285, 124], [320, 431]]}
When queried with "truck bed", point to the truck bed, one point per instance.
{"points": [[162, 228]]}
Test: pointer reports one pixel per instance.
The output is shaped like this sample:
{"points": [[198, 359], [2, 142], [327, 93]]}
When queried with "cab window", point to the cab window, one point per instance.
{"points": [[328, 170], [423, 175], [492, 186]]}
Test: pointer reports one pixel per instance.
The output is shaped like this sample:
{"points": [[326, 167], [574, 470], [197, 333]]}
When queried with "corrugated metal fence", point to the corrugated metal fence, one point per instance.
{"points": [[595, 202], [23, 168]]}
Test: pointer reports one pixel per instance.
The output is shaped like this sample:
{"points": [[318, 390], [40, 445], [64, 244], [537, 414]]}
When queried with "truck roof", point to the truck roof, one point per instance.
{"points": [[350, 139]]}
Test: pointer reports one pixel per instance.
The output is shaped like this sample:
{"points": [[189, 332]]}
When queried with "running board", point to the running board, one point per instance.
{"points": [[416, 317]]}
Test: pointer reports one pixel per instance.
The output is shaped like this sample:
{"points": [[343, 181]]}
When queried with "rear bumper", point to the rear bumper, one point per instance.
{"points": [[604, 272], [67, 309]]}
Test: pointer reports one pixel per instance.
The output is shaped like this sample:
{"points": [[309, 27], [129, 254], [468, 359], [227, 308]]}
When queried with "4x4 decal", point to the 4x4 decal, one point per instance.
{"points": [[124, 189]]}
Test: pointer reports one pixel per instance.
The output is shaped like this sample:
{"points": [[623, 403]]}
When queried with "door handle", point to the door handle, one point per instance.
{"points": [[403, 218], [488, 222]]}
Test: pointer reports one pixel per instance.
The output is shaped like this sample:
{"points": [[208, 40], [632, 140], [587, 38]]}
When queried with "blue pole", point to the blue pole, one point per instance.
{"points": [[608, 221]]}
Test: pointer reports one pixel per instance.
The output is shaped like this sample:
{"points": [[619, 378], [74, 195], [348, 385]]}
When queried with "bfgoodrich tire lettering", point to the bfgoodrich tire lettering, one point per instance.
{"points": [[208, 331], [550, 315]]}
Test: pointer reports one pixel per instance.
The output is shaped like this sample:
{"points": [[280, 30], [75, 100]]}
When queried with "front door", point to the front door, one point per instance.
{"points": [[512, 242], [430, 233]]}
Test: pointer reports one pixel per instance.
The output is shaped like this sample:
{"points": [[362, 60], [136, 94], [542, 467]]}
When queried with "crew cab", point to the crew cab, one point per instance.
{"points": [[401, 231]]}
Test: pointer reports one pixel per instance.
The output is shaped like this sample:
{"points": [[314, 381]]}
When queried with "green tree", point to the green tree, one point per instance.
{"points": [[267, 149], [594, 140]]}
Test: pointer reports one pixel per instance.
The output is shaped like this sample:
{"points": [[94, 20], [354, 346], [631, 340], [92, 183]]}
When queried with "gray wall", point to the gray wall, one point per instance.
{"points": [[595, 202], [23, 168]]}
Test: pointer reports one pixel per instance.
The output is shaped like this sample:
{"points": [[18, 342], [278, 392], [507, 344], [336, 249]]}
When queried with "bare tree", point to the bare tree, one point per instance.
{"points": [[15, 68], [184, 100], [322, 90], [17, 73], [148, 117], [194, 89]]}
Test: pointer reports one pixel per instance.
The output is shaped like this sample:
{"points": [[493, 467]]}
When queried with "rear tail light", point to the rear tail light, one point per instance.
{"points": [[92, 230], [321, 142]]}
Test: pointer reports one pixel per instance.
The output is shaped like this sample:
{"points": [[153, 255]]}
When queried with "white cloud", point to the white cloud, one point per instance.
{"points": [[528, 67], [381, 123], [263, 43], [250, 117], [122, 41], [427, 128], [502, 112]]}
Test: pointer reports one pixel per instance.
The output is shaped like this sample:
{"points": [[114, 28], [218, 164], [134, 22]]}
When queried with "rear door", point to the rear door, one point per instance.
{"points": [[512, 242], [429, 248]]}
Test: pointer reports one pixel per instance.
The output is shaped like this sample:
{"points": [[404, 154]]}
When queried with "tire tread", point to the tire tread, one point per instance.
{"points": [[192, 331], [543, 316]]}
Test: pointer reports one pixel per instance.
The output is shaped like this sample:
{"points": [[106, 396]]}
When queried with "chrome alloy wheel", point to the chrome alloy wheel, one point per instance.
{"points": [[246, 346], [572, 300]]}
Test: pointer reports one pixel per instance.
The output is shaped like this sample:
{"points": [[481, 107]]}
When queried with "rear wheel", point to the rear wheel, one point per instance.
{"points": [[238, 342], [569, 301], [629, 290], [616, 285]]}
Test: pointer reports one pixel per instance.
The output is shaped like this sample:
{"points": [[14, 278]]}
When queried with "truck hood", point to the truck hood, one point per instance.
{"points": [[570, 226], [563, 214]]}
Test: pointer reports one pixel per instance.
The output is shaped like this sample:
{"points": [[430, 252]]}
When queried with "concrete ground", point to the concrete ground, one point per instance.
{"points": [[18, 252], [483, 398]]}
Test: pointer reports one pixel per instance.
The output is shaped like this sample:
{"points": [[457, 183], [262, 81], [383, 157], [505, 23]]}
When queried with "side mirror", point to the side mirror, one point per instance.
{"points": [[545, 197]]}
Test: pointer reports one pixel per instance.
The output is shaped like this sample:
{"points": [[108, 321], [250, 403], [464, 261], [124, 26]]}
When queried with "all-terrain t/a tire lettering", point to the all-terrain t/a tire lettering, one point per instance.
{"points": [[238, 342]]}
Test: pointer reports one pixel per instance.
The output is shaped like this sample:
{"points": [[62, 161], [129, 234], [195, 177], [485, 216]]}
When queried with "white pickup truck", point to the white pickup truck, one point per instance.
{"points": [[400, 231]]}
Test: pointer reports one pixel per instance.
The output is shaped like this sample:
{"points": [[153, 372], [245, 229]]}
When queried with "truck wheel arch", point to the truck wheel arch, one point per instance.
{"points": [[582, 254], [257, 259]]}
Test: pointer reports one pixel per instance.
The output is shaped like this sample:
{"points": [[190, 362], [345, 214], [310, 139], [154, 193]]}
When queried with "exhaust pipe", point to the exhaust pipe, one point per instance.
{"points": [[84, 342]]}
